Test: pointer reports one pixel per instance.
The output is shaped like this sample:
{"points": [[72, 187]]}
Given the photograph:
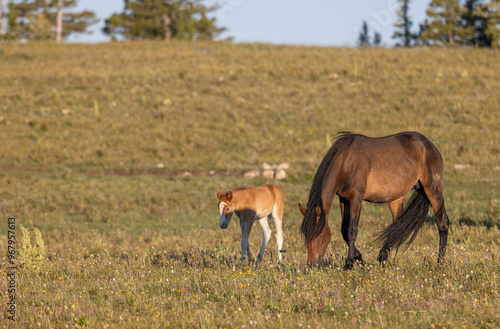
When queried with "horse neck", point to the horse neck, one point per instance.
{"points": [[330, 187]]}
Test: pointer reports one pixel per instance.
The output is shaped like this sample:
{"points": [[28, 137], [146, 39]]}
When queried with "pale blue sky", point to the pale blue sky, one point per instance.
{"points": [[297, 22]]}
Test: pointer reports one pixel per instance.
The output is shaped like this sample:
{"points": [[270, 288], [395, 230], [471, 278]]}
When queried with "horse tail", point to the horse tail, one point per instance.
{"points": [[408, 225]]}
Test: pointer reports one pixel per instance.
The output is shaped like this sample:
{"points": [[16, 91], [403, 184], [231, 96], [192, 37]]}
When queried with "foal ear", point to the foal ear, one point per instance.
{"points": [[229, 195], [302, 209], [219, 195]]}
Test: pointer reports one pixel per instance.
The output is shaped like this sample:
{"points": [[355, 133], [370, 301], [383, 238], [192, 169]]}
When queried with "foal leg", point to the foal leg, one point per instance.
{"points": [[246, 227], [346, 218], [266, 235], [277, 217]]}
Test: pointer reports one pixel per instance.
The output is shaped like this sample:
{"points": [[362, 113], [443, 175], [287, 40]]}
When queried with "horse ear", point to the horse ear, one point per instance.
{"points": [[318, 211], [219, 195], [302, 209], [229, 195]]}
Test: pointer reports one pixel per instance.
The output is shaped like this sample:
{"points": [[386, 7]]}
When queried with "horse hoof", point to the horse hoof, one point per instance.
{"points": [[348, 267], [382, 256], [360, 262]]}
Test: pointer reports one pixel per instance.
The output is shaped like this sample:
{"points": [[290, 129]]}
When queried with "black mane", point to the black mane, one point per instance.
{"points": [[308, 227]]}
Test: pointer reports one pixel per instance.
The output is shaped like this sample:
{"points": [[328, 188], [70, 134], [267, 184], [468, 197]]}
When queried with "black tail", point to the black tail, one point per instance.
{"points": [[408, 225]]}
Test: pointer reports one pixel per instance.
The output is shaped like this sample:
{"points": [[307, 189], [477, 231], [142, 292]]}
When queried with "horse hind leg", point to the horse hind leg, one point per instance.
{"points": [[432, 182], [396, 208]]}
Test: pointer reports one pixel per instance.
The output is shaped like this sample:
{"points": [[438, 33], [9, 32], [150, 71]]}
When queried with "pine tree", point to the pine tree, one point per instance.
{"points": [[364, 36], [59, 20], [1, 18], [163, 19], [72, 22], [403, 25], [490, 12], [377, 39], [37, 19], [24, 21], [474, 24], [443, 26]]}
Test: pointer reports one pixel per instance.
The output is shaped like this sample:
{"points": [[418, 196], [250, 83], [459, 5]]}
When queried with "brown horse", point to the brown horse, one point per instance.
{"points": [[380, 170]]}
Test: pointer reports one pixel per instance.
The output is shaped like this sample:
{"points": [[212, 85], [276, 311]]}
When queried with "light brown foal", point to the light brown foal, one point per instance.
{"points": [[251, 204]]}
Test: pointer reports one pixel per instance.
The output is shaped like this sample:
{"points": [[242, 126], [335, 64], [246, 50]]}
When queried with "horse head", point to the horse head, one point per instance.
{"points": [[317, 236], [226, 208]]}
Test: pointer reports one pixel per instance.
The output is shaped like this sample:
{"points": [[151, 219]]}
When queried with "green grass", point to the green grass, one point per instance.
{"points": [[83, 128]]}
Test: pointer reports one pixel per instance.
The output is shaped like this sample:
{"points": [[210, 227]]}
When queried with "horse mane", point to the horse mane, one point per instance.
{"points": [[237, 188], [308, 227]]}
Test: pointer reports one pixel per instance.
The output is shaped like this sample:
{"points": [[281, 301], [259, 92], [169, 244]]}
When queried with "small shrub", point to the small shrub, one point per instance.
{"points": [[32, 257]]}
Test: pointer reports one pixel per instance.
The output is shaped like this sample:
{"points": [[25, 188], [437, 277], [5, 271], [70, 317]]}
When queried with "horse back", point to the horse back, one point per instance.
{"points": [[386, 167], [266, 198], [391, 150]]}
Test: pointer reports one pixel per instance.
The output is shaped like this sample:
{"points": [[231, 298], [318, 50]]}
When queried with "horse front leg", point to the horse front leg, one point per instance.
{"points": [[352, 222], [345, 209]]}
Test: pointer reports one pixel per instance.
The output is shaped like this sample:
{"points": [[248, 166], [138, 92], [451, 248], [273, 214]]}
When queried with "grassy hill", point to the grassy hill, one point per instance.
{"points": [[95, 140], [232, 107]]}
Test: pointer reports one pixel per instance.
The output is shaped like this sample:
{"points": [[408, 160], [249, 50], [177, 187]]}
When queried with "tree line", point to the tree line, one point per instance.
{"points": [[447, 22], [139, 20]]}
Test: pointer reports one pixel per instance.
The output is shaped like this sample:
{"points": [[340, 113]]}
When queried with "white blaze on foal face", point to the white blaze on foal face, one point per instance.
{"points": [[225, 214], [225, 208]]}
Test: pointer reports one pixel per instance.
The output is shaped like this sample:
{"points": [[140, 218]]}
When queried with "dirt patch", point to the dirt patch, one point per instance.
{"points": [[161, 172], [134, 172]]}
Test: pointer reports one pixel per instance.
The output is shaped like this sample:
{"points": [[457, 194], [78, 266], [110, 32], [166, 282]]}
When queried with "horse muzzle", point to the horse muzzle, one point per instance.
{"points": [[223, 226]]}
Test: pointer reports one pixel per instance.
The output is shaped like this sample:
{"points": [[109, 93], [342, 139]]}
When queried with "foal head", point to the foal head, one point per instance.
{"points": [[226, 208], [316, 248]]}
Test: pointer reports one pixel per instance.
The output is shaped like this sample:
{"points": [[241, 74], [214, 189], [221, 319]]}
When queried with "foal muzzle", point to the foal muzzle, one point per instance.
{"points": [[223, 222]]}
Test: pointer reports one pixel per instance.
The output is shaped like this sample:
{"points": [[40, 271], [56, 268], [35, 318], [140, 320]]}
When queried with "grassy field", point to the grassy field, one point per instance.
{"points": [[96, 138]]}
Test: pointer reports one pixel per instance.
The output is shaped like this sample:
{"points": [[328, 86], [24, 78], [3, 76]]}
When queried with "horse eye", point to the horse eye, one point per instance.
{"points": [[227, 209]]}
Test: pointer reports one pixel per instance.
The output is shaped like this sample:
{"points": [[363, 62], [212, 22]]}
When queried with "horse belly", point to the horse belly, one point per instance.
{"points": [[264, 202], [384, 187], [265, 211]]}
